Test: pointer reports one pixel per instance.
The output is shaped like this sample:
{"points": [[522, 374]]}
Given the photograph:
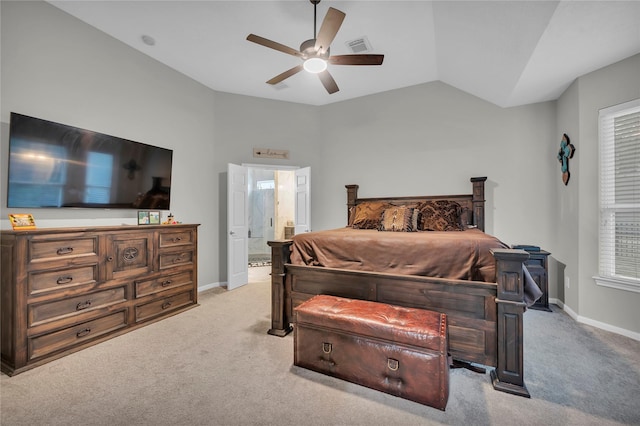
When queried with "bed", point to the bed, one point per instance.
{"points": [[480, 285]]}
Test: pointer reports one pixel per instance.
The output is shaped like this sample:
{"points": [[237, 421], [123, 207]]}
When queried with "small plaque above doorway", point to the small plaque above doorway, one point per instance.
{"points": [[282, 154]]}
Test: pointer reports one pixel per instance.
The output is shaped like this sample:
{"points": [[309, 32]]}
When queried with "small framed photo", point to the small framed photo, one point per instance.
{"points": [[154, 218], [143, 218], [21, 221]]}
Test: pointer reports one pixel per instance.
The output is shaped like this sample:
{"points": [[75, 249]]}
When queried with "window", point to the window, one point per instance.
{"points": [[32, 163], [266, 184], [620, 196], [98, 179]]}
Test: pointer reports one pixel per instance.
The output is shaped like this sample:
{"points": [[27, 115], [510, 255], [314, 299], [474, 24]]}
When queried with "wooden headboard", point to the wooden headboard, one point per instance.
{"points": [[472, 204]]}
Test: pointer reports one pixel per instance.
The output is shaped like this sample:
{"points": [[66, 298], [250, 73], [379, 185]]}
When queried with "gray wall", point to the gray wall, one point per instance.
{"points": [[429, 138], [578, 203], [565, 252], [242, 123], [58, 68]]}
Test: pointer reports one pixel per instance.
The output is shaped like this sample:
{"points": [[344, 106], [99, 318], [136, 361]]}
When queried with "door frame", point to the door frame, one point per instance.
{"points": [[264, 167]]}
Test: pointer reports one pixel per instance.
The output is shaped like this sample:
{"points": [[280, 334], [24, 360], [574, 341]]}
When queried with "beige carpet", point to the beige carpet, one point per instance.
{"points": [[215, 365]]}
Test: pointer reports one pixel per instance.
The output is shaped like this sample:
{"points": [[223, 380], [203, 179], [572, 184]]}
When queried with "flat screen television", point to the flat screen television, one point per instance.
{"points": [[54, 165]]}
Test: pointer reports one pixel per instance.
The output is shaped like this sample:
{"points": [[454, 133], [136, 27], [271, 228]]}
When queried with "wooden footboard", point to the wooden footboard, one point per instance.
{"points": [[485, 319]]}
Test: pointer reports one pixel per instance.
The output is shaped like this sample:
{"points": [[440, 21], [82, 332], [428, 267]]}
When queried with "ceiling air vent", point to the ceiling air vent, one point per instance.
{"points": [[359, 45]]}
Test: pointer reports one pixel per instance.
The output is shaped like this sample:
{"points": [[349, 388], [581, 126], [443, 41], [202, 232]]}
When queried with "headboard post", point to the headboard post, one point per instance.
{"points": [[352, 195], [478, 201]]}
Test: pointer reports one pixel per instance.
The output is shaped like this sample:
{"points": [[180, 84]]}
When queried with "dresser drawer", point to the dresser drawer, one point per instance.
{"points": [[42, 282], [51, 248], [176, 238], [178, 258], [164, 305], [147, 287], [39, 313], [52, 342]]}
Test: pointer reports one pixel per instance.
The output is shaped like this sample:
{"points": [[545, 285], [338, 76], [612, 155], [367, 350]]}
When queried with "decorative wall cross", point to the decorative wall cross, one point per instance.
{"points": [[566, 152], [132, 167]]}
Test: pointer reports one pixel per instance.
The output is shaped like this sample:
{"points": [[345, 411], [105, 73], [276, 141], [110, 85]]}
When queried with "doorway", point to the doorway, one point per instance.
{"points": [[271, 205], [291, 213]]}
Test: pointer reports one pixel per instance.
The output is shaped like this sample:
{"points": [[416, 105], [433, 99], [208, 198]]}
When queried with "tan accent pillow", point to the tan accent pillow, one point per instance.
{"points": [[367, 215], [441, 215], [399, 219]]}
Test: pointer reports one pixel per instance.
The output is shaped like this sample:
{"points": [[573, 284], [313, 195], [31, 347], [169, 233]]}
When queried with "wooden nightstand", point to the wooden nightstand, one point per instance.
{"points": [[538, 268]]}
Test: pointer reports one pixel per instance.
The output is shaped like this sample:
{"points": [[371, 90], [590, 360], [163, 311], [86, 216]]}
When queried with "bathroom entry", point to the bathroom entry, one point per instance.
{"points": [[238, 207], [271, 205]]}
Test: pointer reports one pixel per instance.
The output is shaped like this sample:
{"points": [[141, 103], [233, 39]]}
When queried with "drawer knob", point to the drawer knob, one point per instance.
{"points": [[166, 305], [64, 280], [165, 283], [176, 239], [110, 259], [83, 333], [64, 250], [83, 305]]}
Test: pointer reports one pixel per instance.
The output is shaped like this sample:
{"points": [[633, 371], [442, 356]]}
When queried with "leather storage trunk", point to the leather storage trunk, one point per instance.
{"points": [[397, 350]]}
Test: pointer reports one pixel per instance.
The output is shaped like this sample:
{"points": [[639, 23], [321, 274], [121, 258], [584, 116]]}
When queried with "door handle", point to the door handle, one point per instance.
{"points": [[232, 233]]}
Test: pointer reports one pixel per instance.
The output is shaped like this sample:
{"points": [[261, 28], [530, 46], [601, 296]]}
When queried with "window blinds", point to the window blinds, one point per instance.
{"points": [[620, 192]]}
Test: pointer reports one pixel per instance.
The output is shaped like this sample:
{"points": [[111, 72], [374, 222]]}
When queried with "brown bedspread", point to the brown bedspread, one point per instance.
{"points": [[462, 255]]}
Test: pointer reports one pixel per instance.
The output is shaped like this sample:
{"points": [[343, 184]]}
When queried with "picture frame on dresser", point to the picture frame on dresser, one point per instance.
{"points": [[22, 221], [154, 218], [143, 218]]}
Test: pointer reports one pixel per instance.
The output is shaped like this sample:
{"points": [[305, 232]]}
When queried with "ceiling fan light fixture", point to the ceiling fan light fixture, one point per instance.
{"points": [[315, 52], [315, 65]]}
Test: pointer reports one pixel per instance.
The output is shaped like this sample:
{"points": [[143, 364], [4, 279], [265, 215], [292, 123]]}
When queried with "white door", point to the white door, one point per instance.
{"points": [[303, 200], [237, 226]]}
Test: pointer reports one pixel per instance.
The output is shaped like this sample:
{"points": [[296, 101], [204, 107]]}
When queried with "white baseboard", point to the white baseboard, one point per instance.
{"points": [[598, 324], [607, 327]]}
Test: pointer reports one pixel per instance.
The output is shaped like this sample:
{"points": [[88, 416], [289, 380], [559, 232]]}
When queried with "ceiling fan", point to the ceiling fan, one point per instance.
{"points": [[315, 52]]}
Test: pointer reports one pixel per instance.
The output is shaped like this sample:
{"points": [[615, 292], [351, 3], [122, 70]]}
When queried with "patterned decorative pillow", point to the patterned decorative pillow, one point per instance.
{"points": [[441, 215], [399, 219], [367, 215]]}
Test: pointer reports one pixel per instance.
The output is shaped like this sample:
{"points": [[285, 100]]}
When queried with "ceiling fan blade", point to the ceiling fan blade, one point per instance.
{"points": [[273, 45], [329, 28], [288, 73], [328, 82], [356, 59]]}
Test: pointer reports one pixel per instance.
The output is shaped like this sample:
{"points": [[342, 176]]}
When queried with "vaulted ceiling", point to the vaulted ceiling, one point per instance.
{"points": [[507, 52]]}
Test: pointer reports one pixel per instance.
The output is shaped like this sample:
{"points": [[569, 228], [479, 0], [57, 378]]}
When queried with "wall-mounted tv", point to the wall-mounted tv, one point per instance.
{"points": [[54, 165]]}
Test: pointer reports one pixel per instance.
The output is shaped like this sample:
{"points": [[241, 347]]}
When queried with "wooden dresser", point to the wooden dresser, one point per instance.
{"points": [[65, 289]]}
